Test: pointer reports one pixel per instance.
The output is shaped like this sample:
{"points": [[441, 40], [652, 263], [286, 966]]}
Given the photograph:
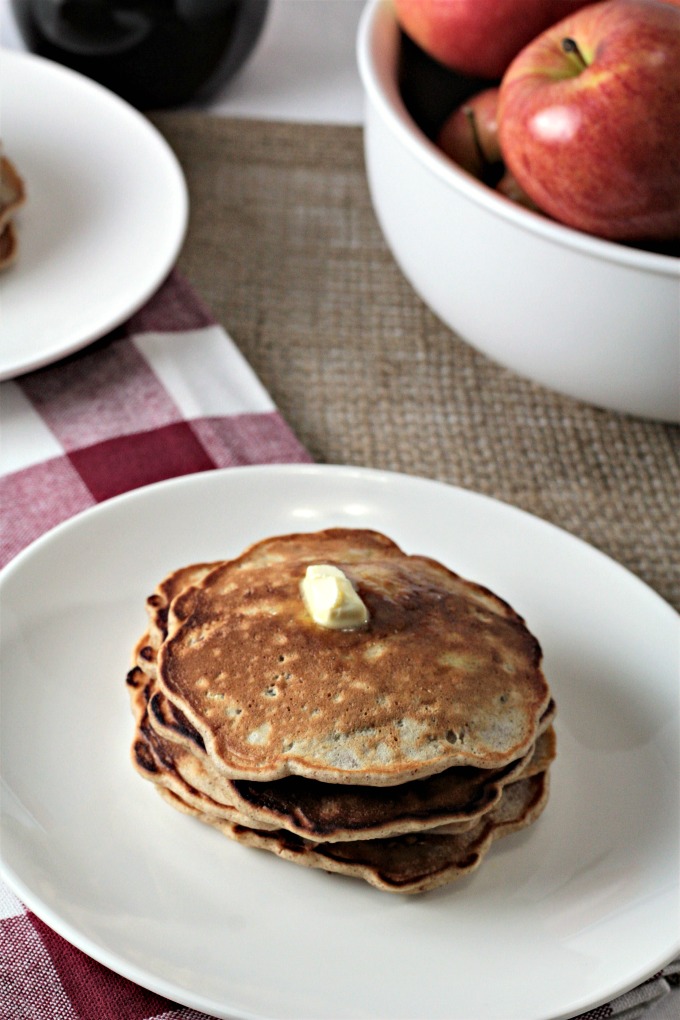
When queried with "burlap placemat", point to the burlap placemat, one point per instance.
{"points": [[284, 246]]}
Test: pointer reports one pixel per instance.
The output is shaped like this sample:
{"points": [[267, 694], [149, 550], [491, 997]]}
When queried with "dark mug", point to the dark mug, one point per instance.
{"points": [[154, 53]]}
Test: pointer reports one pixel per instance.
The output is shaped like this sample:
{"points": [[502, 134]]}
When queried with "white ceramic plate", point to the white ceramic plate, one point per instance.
{"points": [[105, 216], [579, 907]]}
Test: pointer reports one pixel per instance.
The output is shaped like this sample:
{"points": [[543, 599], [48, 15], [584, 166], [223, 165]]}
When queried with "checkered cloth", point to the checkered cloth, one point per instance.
{"points": [[168, 394]]}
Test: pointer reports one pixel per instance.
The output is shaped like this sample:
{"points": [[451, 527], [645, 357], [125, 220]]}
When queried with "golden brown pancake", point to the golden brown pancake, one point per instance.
{"points": [[396, 752], [9, 245], [413, 863], [445, 674], [12, 197], [152, 757], [171, 586], [454, 799]]}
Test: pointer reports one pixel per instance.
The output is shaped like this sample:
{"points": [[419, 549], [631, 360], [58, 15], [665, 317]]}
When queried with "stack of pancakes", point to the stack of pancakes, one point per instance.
{"points": [[397, 751]]}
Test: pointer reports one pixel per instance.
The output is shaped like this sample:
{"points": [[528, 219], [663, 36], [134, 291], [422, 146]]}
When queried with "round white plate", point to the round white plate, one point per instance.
{"points": [[104, 219], [579, 907]]}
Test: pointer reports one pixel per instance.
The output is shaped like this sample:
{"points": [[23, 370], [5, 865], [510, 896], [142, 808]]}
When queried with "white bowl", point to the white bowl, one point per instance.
{"points": [[589, 318]]}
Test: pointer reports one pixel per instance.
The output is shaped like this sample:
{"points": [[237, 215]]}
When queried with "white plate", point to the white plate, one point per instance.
{"points": [[579, 907], [104, 219]]}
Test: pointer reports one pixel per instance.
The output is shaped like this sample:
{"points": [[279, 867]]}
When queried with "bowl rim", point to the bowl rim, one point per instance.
{"points": [[376, 24]]}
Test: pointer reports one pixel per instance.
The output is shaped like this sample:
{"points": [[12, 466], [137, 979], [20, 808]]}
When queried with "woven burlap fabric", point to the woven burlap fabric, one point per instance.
{"points": [[284, 247]]}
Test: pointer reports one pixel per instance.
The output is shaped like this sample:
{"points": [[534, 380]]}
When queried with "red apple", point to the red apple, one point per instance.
{"points": [[478, 37], [588, 118], [469, 136], [509, 186]]}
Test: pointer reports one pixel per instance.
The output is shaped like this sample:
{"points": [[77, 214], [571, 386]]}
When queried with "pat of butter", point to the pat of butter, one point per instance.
{"points": [[330, 599]]}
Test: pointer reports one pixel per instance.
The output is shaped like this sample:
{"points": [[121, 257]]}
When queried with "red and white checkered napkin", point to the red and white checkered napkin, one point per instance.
{"points": [[168, 394]]}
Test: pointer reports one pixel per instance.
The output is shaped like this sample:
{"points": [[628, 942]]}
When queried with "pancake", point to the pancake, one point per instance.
{"points": [[413, 863], [396, 751], [157, 604], [152, 757], [445, 674], [12, 197], [323, 811], [334, 812], [9, 245]]}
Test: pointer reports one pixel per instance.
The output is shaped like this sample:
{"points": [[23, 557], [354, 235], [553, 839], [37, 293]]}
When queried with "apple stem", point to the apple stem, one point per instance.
{"points": [[571, 48], [472, 120], [490, 172]]}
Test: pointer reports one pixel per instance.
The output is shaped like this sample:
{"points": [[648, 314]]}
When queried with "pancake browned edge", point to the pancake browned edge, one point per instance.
{"points": [[444, 673], [396, 752], [412, 863], [12, 197], [169, 752]]}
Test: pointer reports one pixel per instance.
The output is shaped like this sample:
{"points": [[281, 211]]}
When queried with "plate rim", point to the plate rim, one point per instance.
{"points": [[180, 481], [116, 961], [49, 353]]}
